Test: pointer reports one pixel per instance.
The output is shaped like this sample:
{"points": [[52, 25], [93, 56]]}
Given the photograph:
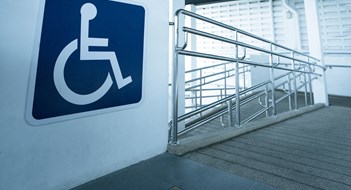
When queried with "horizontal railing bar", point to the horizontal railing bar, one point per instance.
{"points": [[212, 89], [207, 67], [191, 14], [256, 114], [198, 124], [212, 75], [223, 39], [211, 81], [283, 97], [344, 66], [249, 99], [280, 84], [204, 108], [223, 58], [207, 96], [206, 83], [337, 52], [212, 66], [208, 76]]}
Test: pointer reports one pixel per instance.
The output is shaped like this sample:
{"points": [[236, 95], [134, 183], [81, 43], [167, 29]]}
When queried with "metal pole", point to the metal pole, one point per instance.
{"points": [[266, 100], [272, 81], [244, 74], [225, 80], [289, 85], [230, 112], [175, 83], [237, 95], [310, 81], [294, 81], [200, 88], [305, 84]]}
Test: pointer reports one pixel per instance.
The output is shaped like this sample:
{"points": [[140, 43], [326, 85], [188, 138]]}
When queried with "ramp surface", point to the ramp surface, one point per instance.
{"points": [[311, 151]]}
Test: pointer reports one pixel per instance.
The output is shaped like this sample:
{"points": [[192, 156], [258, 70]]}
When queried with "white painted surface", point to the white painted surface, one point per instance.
{"points": [[65, 154], [338, 78], [315, 48]]}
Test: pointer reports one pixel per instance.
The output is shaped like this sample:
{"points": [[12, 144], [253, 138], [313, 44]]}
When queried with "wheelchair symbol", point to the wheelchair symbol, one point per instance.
{"points": [[88, 12]]}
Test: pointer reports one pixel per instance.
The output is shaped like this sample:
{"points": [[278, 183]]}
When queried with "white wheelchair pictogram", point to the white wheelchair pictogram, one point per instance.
{"points": [[88, 12]]}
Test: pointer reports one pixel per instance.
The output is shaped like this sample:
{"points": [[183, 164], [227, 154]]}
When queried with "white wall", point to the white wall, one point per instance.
{"points": [[65, 154], [338, 78]]}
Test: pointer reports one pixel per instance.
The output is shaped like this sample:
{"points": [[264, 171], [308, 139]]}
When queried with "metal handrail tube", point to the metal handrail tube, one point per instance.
{"points": [[204, 108], [310, 83], [210, 89], [207, 67], [212, 66], [207, 76], [283, 75], [223, 58], [344, 66], [283, 97], [237, 90], [272, 81], [175, 89], [280, 84], [257, 114], [198, 124], [249, 99], [223, 39], [301, 86], [208, 96], [194, 15], [212, 81], [208, 82]]}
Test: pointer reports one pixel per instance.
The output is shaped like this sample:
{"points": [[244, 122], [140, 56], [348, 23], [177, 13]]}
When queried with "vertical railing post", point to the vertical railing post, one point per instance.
{"points": [[266, 100], [294, 81], [175, 83], [305, 85], [244, 78], [271, 75], [310, 80], [289, 85], [200, 88], [237, 88], [225, 80], [230, 112], [230, 115]]}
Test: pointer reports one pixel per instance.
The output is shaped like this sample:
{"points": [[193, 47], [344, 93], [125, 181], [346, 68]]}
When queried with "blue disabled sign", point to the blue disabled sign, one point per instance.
{"points": [[89, 60]]}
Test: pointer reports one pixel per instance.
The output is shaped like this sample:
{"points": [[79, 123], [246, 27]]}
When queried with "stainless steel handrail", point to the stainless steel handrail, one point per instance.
{"points": [[216, 37], [343, 66], [200, 17], [223, 58], [297, 69]]}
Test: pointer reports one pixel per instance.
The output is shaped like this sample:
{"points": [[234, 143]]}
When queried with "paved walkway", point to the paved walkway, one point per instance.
{"points": [[168, 172], [311, 151]]}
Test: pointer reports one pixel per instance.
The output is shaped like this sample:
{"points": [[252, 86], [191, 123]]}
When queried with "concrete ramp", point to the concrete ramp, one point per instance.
{"points": [[212, 132], [311, 151]]}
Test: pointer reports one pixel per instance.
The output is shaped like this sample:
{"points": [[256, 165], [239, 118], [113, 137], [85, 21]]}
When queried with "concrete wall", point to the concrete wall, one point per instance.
{"points": [[65, 154]]}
